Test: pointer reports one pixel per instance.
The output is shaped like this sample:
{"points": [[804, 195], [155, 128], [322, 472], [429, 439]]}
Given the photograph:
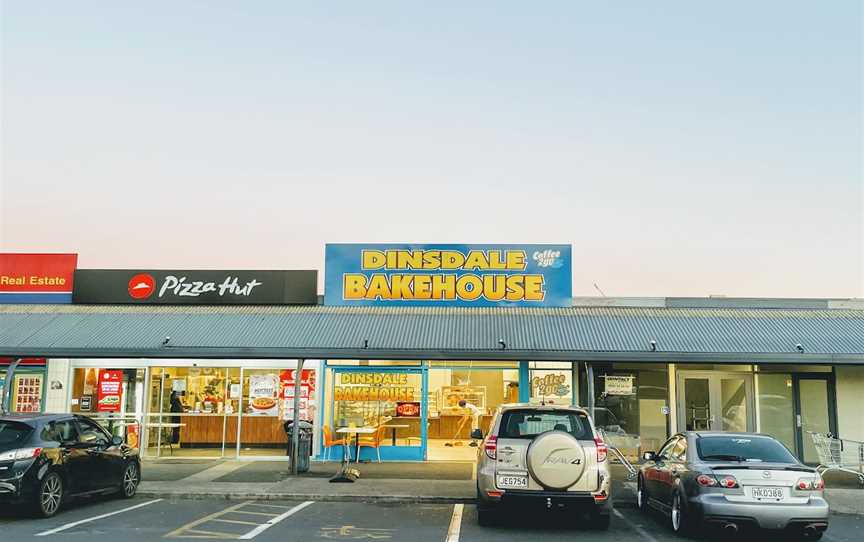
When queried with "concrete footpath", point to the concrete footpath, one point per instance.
{"points": [[443, 482]]}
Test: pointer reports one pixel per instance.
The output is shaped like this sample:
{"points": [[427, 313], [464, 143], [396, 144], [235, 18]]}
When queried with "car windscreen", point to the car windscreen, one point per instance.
{"points": [[743, 449], [527, 424], [13, 434]]}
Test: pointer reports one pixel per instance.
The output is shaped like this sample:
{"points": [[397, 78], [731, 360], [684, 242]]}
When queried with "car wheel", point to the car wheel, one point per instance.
{"points": [[679, 516], [641, 495], [50, 495], [131, 478]]}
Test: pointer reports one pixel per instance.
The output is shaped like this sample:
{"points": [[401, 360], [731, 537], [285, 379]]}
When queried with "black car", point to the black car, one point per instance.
{"points": [[46, 459]]}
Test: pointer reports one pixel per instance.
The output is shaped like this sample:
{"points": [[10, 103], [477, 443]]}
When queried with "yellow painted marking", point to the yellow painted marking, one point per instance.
{"points": [[270, 505], [190, 526], [237, 521]]}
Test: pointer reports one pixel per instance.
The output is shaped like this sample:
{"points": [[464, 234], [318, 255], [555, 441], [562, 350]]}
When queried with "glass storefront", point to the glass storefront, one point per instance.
{"points": [[196, 410], [631, 405], [27, 391]]}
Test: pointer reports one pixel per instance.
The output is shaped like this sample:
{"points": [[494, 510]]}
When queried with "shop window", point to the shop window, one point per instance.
{"points": [[552, 386], [631, 406]]}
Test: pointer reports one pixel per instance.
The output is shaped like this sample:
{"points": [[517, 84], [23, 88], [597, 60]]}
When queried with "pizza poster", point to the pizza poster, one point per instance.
{"points": [[109, 390]]}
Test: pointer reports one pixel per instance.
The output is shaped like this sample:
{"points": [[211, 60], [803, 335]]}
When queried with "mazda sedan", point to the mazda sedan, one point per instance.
{"points": [[47, 459], [734, 482]]}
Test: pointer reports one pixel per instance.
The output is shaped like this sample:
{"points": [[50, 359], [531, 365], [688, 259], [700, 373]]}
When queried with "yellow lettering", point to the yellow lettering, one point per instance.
{"points": [[516, 259], [432, 259], [353, 286], [494, 287], [373, 259], [443, 286], [534, 288], [469, 287], [452, 259], [495, 260], [378, 288], [400, 287], [422, 288], [515, 289]]}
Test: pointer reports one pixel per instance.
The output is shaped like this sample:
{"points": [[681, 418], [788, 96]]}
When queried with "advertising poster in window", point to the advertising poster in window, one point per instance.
{"points": [[307, 393], [109, 390], [262, 395]]}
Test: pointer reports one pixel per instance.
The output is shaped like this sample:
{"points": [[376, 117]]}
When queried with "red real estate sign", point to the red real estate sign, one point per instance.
{"points": [[109, 390], [37, 278]]}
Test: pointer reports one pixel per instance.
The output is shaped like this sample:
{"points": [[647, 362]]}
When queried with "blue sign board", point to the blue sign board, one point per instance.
{"points": [[448, 275]]}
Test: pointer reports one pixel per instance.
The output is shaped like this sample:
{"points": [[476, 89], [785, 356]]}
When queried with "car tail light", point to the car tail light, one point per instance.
{"points": [[810, 484], [706, 480], [20, 453], [491, 446], [728, 482], [602, 449]]}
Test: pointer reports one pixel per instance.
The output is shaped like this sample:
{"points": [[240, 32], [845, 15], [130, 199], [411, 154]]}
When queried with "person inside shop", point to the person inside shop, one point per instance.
{"points": [[176, 407], [475, 417]]}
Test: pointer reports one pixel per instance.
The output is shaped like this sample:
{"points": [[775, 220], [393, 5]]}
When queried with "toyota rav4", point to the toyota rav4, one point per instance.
{"points": [[546, 456]]}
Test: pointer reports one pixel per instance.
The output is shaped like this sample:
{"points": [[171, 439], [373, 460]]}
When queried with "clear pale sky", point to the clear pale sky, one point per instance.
{"points": [[682, 148]]}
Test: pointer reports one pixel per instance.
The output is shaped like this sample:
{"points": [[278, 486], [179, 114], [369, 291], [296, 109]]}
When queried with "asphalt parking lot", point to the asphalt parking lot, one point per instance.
{"points": [[150, 519]]}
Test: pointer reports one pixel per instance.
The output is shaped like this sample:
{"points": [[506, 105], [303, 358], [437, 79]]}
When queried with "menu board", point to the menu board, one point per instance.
{"points": [[28, 393], [262, 395], [109, 390]]}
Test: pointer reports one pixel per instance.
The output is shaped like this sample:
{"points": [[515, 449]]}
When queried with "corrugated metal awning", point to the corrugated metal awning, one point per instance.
{"points": [[577, 333]]}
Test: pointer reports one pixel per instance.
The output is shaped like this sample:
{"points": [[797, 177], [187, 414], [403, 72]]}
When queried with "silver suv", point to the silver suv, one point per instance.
{"points": [[548, 456]]}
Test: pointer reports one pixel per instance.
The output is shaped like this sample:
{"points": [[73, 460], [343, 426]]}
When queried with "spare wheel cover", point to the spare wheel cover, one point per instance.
{"points": [[556, 460]]}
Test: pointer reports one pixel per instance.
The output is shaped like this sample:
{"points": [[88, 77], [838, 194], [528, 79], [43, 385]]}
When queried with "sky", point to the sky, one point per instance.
{"points": [[681, 148]]}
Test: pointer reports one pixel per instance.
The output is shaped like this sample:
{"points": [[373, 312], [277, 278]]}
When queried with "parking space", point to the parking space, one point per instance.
{"points": [[144, 520]]}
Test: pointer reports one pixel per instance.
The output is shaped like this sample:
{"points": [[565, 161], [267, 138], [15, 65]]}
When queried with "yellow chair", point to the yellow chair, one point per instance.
{"points": [[329, 442], [374, 442]]}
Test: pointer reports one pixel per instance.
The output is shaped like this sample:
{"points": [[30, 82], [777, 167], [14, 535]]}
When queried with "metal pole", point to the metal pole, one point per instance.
{"points": [[7, 386], [295, 435], [589, 374]]}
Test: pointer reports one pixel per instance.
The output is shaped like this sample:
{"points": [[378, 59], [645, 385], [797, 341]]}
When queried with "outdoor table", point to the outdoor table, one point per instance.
{"points": [[394, 427], [346, 474]]}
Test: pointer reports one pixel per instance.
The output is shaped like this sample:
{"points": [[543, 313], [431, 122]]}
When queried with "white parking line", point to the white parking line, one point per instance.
{"points": [[455, 524], [96, 518], [635, 527], [261, 528]]}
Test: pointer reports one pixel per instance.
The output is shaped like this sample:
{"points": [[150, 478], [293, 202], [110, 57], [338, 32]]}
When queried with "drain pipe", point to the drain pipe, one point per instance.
{"points": [[7, 386], [589, 376], [295, 435]]}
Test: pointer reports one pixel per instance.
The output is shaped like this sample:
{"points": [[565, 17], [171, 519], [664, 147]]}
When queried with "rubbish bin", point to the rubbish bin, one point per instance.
{"points": [[304, 443]]}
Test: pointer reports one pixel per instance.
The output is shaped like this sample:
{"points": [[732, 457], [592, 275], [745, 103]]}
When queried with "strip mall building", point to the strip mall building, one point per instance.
{"points": [[206, 360]]}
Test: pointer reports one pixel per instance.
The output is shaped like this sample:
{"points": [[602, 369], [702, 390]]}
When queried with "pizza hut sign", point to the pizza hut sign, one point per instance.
{"points": [[196, 287]]}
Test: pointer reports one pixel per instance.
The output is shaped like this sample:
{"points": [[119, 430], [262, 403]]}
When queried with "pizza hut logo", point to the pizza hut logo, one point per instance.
{"points": [[141, 286]]}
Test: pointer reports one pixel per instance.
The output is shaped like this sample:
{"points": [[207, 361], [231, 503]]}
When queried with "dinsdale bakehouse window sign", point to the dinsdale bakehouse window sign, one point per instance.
{"points": [[203, 287], [448, 274], [373, 387], [36, 278]]}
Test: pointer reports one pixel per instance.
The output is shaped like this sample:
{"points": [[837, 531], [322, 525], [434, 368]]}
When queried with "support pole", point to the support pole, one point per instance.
{"points": [[7, 386], [589, 376], [295, 435]]}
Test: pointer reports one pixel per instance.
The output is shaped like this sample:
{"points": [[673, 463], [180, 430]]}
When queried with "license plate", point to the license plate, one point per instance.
{"points": [[772, 493], [511, 481]]}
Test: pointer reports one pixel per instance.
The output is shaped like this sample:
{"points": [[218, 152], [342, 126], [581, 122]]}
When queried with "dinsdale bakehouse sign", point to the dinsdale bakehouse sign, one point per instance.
{"points": [[448, 274], [187, 287]]}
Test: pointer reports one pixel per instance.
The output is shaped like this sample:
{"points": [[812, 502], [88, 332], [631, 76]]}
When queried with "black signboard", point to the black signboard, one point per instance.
{"points": [[175, 287]]}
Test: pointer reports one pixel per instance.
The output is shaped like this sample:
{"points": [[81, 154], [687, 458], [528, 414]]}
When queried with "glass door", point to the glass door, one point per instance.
{"points": [[712, 401], [813, 398]]}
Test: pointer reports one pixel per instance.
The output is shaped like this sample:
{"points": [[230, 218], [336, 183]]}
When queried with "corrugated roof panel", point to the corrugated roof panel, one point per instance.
{"points": [[41, 328]]}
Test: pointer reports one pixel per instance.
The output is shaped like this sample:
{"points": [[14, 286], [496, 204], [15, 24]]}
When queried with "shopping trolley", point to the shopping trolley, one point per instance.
{"points": [[631, 470], [839, 455]]}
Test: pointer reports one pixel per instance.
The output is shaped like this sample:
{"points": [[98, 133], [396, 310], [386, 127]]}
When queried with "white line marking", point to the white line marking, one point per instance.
{"points": [[261, 528], [95, 518], [633, 526], [455, 524]]}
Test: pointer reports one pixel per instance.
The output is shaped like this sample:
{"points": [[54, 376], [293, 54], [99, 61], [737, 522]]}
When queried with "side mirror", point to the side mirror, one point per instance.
{"points": [[117, 441], [477, 434], [649, 456]]}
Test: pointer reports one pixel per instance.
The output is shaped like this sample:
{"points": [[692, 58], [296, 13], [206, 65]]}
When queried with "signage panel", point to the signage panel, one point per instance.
{"points": [[186, 287], [109, 391], [448, 275], [36, 278]]}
